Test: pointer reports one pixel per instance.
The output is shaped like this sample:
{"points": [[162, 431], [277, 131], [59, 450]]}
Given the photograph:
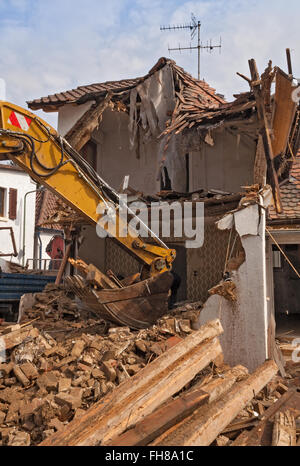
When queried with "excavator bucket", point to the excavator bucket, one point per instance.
{"points": [[136, 306]]}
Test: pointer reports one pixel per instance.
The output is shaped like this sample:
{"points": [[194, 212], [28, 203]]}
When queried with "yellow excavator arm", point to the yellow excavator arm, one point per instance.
{"points": [[48, 158]]}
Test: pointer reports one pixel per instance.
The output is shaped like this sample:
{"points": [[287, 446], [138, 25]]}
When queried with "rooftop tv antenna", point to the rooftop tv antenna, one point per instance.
{"points": [[194, 27]]}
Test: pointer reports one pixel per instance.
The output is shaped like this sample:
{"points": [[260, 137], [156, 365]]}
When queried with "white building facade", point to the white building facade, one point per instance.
{"points": [[17, 214]]}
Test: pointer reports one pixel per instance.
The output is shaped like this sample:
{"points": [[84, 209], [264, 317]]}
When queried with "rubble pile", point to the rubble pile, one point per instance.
{"points": [[46, 382], [59, 364], [52, 303]]}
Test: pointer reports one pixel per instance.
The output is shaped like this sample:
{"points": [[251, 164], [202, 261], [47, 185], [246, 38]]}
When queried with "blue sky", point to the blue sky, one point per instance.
{"points": [[50, 46]]}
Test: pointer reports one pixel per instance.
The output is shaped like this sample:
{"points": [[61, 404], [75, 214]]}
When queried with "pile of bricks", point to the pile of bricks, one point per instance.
{"points": [[46, 382]]}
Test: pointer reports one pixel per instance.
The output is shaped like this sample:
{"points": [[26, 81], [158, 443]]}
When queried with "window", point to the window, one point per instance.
{"points": [[89, 152], [187, 171], [2, 202], [165, 182], [13, 193]]}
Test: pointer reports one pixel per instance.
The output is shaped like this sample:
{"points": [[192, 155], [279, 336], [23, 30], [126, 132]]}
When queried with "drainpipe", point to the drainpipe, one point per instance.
{"points": [[24, 220]]}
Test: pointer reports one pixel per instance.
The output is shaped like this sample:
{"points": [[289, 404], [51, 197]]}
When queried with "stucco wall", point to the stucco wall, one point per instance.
{"points": [[69, 114], [226, 166], [21, 181], [117, 159]]}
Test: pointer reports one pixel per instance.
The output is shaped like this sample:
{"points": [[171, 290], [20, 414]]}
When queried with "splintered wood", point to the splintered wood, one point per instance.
{"points": [[284, 430]]}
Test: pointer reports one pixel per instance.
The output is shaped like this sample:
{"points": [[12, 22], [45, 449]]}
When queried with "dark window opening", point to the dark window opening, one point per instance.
{"points": [[165, 181], [187, 171]]}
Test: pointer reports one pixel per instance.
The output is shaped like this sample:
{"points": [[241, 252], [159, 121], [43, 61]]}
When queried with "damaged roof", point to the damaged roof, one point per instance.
{"points": [[81, 94], [46, 206], [290, 195]]}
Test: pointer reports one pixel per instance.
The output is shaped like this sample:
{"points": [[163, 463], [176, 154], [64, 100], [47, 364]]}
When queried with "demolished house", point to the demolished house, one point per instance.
{"points": [[178, 139], [72, 377]]}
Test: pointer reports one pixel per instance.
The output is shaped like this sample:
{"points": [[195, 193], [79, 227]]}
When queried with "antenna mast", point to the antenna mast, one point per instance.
{"points": [[194, 27]]}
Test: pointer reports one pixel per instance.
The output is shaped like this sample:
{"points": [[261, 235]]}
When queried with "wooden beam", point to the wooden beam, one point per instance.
{"points": [[81, 132], [144, 392], [265, 133], [16, 337], [153, 427], [155, 424], [162, 419], [96, 277], [92, 274], [207, 422], [63, 264]]}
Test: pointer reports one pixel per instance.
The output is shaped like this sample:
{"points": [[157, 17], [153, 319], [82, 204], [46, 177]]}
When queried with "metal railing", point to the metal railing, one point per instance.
{"points": [[51, 265]]}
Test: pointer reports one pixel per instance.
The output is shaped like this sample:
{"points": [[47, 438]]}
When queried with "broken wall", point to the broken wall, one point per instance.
{"points": [[245, 322]]}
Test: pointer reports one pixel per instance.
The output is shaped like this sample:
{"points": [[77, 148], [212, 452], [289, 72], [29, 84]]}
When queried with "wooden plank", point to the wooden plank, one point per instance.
{"points": [[144, 392], [202, 428], [284, 430], [284, 113]]}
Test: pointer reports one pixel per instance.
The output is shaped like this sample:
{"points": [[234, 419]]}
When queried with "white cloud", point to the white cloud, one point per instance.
{"points": [[49, 47]]}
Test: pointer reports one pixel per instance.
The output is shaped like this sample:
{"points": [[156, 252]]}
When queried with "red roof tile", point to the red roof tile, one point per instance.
{"points": [[290, 195], [46, 206]]}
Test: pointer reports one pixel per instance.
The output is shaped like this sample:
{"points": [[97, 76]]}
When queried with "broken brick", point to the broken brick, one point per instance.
{"points": [[72, 399], [19, 439], [64, 384], [56, 424], [29, 370], [21, 376], [48, 380], [97, 373], [2, 417], [6, 368], [109, 371], [78, 348]]}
